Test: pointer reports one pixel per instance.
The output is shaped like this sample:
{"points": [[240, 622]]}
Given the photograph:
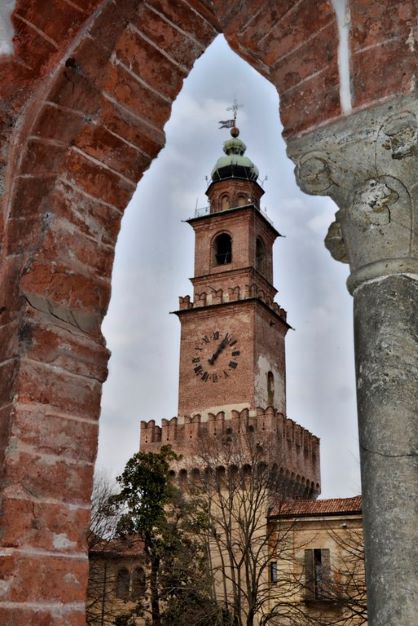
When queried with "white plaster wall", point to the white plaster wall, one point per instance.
{"points": [[264, 365], [342, 12], [6, 28]]}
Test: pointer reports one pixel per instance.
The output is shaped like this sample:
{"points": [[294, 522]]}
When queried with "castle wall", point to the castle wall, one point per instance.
{"points": [[292, 448]]}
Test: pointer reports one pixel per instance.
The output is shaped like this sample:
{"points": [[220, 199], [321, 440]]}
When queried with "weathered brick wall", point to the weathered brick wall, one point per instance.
{"points": [[84, 100], [243, 225], [287, 445]]}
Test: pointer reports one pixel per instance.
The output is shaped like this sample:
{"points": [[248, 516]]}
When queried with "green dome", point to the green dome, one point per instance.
{"points": [[234, 164]]}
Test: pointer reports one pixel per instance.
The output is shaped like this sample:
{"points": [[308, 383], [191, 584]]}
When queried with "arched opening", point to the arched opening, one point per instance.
{"points": [[102, 196], [222, 249], [270, 388], [195, 474], [243, 200], [122, 584], [220, 475], [224, 202], [138, 584], [260, 255]]}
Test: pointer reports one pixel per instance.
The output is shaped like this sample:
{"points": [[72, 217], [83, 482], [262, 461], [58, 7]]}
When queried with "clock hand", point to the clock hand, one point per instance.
{"points": [[219, 349]]}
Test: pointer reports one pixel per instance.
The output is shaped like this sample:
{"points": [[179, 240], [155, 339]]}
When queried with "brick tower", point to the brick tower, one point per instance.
{"points": [[232, 350], [232, 353]]}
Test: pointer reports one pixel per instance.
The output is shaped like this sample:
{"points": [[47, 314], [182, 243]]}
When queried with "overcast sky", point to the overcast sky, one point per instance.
{"points": [[154, 260]]}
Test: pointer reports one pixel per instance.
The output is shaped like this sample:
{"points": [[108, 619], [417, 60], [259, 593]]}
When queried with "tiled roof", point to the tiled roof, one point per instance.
{"points": [[121, 546], [308, 508]]}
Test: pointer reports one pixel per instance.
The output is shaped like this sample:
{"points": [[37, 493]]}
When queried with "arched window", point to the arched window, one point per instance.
{"points": [[260, 255], [220, 475], [138, 584], [122, 584], [195, 474], [225, 203], [243, 200], [270, 388], [222, 249]]}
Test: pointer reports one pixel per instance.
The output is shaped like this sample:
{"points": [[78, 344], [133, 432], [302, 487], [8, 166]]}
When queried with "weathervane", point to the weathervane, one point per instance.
{"points": [[231, 123]]}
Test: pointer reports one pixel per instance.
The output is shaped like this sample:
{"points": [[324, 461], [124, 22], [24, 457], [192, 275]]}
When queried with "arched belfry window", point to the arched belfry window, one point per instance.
{"points": [[270, 388], [222, 248], [225, 203], [260, 255]]}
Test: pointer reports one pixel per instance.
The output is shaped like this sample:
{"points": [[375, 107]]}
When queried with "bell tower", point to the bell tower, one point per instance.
{"points": [[232, 351]]}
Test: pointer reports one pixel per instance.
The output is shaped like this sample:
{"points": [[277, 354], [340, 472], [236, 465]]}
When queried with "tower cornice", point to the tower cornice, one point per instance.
{"points": [[235, 272], [233, 211], [274, 309], [232, 178]]}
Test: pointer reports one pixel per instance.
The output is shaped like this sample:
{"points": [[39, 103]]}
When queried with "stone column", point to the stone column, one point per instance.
{"points": [[368, 163]]}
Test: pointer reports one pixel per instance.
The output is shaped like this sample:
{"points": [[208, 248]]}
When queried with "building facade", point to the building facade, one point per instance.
{"points": [[323, 569]]}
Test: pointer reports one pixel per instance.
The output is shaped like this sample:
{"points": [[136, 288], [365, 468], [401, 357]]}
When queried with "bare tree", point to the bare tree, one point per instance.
{"points": [[104, 517], [331, 578], [347, 584], [101, 610], [237, 488]]}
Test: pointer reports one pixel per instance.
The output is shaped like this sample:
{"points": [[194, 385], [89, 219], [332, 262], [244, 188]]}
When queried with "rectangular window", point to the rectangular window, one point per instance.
{"points": [[273, 571], [317, 573]]}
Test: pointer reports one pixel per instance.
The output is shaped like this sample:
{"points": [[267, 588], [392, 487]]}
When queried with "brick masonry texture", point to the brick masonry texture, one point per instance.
{"points": [[288, 446], [80, 121]]}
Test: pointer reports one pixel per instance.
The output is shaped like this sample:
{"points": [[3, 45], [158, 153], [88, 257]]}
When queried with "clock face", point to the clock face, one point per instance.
{"points": [[216, 356]]}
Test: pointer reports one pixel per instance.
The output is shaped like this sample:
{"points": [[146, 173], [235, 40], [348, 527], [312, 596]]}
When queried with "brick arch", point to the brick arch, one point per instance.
{"points": [[85, 99]]}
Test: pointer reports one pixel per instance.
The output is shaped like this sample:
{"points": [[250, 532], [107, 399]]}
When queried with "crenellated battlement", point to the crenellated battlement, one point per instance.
{"points": [[292, 448], [232, 294]]}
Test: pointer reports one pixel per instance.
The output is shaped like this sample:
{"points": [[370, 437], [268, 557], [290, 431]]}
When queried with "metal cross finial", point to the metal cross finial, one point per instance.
{"points": [[235, 106]]}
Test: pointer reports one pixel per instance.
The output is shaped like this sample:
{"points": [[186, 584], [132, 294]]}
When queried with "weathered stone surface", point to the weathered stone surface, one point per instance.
{"points": [[386, 337], [368, 166]]}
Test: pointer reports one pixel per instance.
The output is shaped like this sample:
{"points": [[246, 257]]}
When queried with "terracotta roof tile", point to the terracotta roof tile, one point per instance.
{"points": [[304, 508], [121, 546]]}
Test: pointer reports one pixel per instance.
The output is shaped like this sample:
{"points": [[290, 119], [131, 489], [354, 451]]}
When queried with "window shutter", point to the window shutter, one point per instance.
{"points": [[309, 575], [326, 573]]}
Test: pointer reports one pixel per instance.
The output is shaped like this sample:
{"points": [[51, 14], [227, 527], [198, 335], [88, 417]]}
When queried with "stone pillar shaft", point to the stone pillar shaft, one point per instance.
{"points": [[368, 164], [386, 340]]}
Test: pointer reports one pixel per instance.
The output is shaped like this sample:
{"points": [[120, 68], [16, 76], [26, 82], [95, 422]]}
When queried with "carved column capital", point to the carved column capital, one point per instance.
{"points": [[368, 164]]}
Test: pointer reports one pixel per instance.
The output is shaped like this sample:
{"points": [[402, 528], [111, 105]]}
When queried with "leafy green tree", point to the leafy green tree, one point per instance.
{"points": [[173, 531]]}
